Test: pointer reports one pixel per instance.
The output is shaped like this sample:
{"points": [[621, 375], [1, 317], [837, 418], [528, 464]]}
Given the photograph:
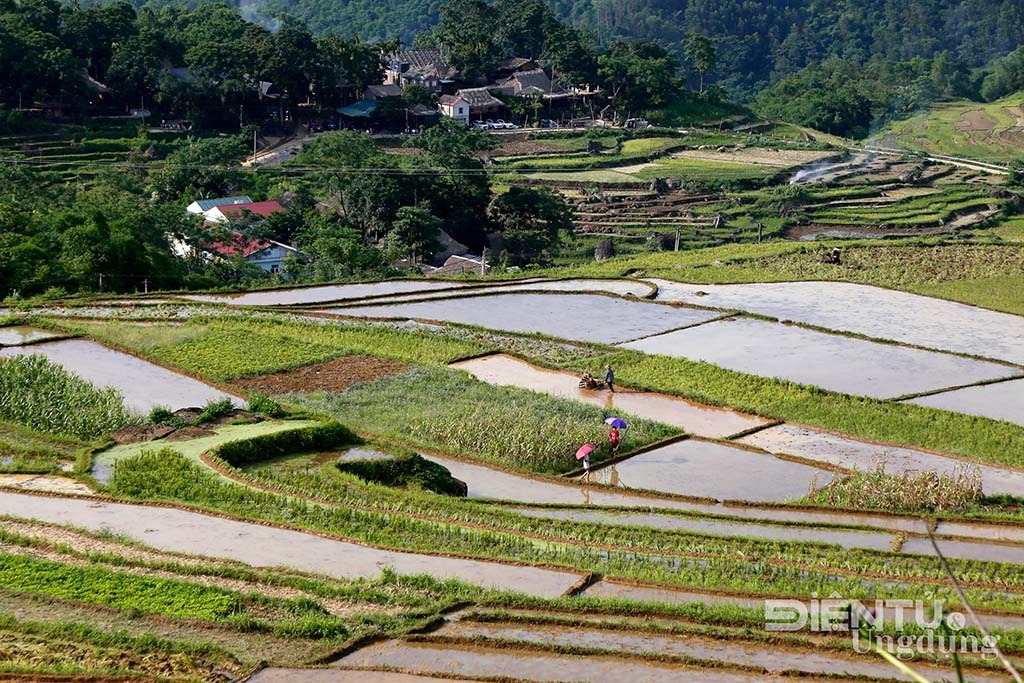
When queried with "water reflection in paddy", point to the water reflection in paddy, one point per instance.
{"points": [[999, 401], [581, 317], [310, 295], [16, 335]]}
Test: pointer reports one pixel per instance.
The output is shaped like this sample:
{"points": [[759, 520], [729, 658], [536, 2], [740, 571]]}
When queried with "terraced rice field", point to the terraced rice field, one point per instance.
{"points": [[999, 401], [834, 362], [702, 420], [842, 452], [583, 317], [869, 311], [991, 132], [265, 546], [144, 385]]}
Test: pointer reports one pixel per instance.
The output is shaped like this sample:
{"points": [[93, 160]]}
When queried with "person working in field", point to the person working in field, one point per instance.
{"points": [[609, 377], [613, 437]]}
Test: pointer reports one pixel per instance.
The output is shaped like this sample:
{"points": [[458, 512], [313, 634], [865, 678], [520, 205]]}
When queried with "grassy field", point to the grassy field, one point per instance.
{"points": [[985, 131]]}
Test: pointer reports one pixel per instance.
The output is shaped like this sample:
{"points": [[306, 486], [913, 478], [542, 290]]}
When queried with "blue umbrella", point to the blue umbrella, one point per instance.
{"points": [[617, 423]]}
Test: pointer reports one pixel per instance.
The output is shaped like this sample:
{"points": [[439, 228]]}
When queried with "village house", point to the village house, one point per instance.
{"points": [[269, 255], [426, 68], [236, 212], [201, 206], [471, 103], [533, 83]]}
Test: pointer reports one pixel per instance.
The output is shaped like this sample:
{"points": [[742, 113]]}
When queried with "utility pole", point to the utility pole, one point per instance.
{"points": [[253, 146], [145, 286], [483, 261], [101, 282], [677, 239]]}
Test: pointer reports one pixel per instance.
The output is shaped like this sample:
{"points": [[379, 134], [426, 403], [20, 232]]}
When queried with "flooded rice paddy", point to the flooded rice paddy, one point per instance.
{"points": [[469, 661], [263, 546], [695, 418], [850, 454], [16, 335], [715, 470], [144, 385], [716, 527], [580, 317], [280, 675], [45, 482], [870, 311], [312, 295], [833, 362], [999, 401], [625, 288], [728, 652]]}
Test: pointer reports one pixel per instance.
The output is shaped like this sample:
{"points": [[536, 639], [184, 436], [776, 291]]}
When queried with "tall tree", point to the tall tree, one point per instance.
{"points": [[467, 32], [701, 52], [531, 221]]}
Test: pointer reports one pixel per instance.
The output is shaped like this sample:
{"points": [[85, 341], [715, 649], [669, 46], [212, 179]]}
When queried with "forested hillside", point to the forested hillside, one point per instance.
{"points": [[759, 40]]}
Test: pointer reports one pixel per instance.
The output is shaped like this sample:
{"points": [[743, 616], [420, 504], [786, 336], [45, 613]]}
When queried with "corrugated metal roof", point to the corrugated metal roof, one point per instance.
{"points": [[207, 204], [362, 108]]}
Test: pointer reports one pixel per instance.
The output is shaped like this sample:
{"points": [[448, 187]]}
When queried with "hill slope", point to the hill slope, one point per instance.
{"points": [[989, 132]]}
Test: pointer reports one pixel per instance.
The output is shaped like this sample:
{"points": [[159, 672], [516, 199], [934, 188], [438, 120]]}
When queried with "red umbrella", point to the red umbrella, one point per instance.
{"points": [[584, 449]]}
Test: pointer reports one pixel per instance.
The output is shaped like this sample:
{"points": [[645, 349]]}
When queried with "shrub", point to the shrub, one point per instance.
{"points": [[918, 492], [317, 438], [214, 409], [410, 471], [161, 415], [261, 404]]}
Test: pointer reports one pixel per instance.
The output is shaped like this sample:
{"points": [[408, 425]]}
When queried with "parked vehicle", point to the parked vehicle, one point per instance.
{"points": [[480, 125], [548, 123]]}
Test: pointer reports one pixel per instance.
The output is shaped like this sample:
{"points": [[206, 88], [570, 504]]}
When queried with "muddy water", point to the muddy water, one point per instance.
{"points": [[278, 675], [848, 453], [725, 651], [45, 482], [847, 539], [693, 417], [701, 468], [16, 335], [871, 311], [613, 589], [1000, 401], [312, 295], [144, 385], [581, 317], [967, 550], [485, 482], [447, 660], [263, 546], [829, 361], [981, 530]]}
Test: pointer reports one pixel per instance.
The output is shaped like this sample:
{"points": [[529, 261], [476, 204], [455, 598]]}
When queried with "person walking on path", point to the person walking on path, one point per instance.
{"points": [[609, 378], [613, 436], [586, 469]]}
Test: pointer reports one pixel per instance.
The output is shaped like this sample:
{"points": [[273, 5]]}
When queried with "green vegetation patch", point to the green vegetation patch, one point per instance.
{"points": [[115, 589], [25, 450], [411, 471], [42, 395], [922, 492], [228, 349], [447, 409]]}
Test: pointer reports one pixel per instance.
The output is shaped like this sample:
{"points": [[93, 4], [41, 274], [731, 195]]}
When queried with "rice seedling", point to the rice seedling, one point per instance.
{"points": [[447, 409], [44, 396]]}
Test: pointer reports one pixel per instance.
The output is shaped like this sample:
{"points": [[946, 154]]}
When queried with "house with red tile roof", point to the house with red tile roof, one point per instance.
{"points": [[234, 213], [267, 254]]}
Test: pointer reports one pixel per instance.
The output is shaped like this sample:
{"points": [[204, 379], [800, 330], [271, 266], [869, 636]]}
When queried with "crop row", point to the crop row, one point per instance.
{"points": [[443, 408], [44, 396], [165, 475]]}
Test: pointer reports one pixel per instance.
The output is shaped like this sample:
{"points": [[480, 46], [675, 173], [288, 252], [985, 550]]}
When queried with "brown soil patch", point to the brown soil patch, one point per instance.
{"points": [[143, 432], [334, 375], [525, 148], [975, 119], [1017, 113], [189, 433]]}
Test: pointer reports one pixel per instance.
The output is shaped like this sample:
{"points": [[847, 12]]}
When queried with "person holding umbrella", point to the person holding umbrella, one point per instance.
{"points": [[613, 436], [584, 454]]}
